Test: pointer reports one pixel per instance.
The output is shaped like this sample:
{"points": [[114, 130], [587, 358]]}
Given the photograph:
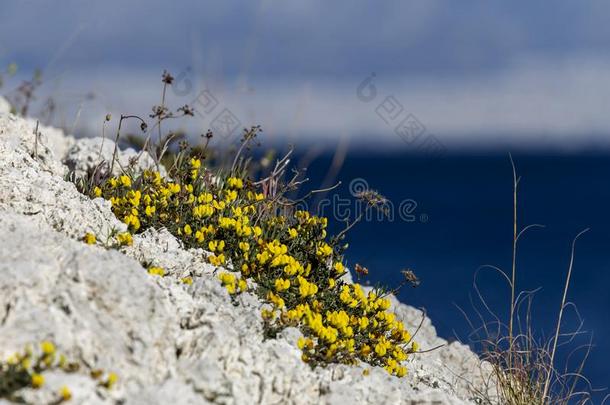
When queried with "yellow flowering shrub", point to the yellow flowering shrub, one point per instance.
{"points": [[26, 369], [296, 268], [281, 254]]}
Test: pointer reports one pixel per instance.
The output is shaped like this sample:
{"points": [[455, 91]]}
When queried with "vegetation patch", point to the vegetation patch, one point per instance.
{"points": [[26, 369], [268, 247], [287, 259]]}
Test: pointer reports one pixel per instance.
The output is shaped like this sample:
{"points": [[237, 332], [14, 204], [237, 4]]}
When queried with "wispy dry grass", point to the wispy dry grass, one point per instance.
{"points": [[524, 366]]}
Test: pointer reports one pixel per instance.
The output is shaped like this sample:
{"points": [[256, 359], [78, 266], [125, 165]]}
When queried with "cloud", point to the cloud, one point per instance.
{"points": [[476, 73], [539, 103], [270, 37]]}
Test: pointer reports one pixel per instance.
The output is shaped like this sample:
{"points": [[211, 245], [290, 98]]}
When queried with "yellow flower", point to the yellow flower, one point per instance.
{"points": [[26, 363], [187, 280], [13, 359], [277, 301], [97, 192], [203, 211], [125, 181], [380, 349], [62, 361], [281, 284], [324, 250], [217, 260], [150, 210], [234, 182], [187, 230], [205, 198], [231, 195], [134, 197], [339, 267], [230, 288], [195, 163], [350, 345], [401, 372], [125, 238], [227, 223], [133, 221], [89, 238], [111, 380], [65, 393], [37, 380], [292, 233], [227, 278], [156, 271], [47, 347], [304, 343], [345, 296], [267, 313], [306, 288], [242, 284], [384, 303]]}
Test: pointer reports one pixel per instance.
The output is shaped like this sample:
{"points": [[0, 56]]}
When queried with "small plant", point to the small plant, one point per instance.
{"points": [[524, 369], [26, 369], [252, 229], [25, 94], [10, 71]]}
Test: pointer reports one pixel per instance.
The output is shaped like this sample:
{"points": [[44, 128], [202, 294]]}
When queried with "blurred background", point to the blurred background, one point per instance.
{"points": [[421, 100]]}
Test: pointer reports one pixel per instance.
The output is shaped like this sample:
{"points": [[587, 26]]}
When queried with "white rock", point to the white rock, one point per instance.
{"points": [[167, 341], [5, 107], [86, 153], [54, 139]]}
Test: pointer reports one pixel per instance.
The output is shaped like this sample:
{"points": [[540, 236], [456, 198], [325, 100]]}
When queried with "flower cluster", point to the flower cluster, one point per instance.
{"points": [[292, 264], [26, 369]]}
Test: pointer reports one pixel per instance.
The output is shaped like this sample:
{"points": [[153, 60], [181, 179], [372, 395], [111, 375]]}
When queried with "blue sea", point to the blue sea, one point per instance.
{"points": [[458, 215]]}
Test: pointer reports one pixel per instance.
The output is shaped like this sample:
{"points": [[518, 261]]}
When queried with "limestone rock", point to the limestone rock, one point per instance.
{"points": [[86, 153], [5, 107], [169, 342]]}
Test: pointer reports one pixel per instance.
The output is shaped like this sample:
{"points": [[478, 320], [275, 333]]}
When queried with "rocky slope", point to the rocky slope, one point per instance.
{"points": [[169, 342]]}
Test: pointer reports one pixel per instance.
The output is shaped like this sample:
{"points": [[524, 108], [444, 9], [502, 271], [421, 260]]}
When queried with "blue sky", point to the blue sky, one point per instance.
{"points": [[521, 72]]}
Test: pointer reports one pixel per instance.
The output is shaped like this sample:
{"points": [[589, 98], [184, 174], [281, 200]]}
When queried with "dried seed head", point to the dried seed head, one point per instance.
{"points": [[186, 110], [371, 197], [411, 277], [361, 270], [167, 78]]}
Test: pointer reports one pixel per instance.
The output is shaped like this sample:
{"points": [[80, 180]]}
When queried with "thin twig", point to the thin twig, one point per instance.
{"points": [[118, 134], [563, 302], [514, 259], [36, 141]]}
